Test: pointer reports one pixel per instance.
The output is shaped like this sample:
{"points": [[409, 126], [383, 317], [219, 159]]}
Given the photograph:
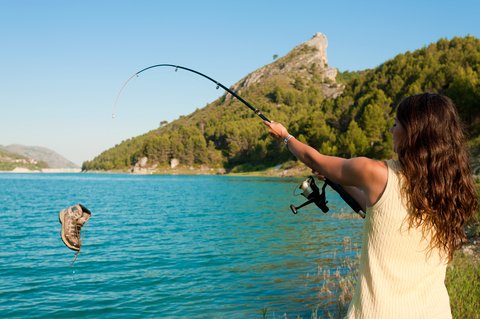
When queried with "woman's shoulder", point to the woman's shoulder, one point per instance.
{"points": [[371, 166], [379, 172], [375, 177]]}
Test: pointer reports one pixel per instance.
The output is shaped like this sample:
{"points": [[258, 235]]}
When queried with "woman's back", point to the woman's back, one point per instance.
{"points": [[400, 275]]}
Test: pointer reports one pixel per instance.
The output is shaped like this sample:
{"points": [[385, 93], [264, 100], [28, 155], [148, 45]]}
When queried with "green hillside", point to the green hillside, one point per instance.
{"points": [[226, 134]]}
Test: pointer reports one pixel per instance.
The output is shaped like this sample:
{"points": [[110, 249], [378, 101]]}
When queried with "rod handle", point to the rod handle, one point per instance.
{"points": [[346, 197]]}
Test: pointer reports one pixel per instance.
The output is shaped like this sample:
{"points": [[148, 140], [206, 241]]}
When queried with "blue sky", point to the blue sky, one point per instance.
{"points": [[62, 63]]}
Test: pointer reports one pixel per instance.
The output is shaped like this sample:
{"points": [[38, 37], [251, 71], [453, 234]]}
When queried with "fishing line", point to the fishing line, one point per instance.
{"points": [[119, 93]]}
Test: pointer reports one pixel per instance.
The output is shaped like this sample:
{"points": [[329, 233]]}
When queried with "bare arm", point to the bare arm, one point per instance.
{"points": [[367, 175]]}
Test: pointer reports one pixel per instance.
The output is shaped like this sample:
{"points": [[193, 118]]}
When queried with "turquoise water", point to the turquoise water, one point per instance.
{"points": [[166, 247]]}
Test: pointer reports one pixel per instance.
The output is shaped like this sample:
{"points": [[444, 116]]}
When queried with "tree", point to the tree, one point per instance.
{"points": [[354, 142]]}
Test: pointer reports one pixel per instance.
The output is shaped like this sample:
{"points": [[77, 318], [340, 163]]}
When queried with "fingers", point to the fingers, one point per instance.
{"points": [[271, 129], [276, 130]]}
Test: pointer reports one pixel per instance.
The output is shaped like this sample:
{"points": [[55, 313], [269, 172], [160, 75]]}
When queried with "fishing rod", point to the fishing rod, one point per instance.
{"points": [[309, 188], [251, 107]]}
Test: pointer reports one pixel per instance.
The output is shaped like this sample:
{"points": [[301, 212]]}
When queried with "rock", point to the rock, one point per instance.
{"points": [[142, 162], [141, 167], [174, 162], [320, 42], [301, 60]]}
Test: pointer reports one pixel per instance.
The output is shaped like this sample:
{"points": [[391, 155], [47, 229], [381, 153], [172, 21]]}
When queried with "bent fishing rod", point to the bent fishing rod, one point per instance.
{"points": [[312, 192], [251, 107]]}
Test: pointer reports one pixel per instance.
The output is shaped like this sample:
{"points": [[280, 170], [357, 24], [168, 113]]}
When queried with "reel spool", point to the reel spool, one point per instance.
{"points": [[311, 192]]}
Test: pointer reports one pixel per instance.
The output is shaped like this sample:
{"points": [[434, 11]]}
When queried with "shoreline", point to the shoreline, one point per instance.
{"points": [[270, 172], [18, 170], [280, 171]]}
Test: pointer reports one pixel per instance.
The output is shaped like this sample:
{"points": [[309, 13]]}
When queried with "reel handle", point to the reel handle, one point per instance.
{"points": [[295, 209]]}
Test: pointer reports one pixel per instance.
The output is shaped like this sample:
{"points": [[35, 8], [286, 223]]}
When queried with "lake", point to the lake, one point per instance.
{"points": [[169, 247]]}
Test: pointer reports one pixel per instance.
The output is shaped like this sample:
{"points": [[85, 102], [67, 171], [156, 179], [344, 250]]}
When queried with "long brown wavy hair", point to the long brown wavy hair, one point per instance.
{"points": [[439, 185]]}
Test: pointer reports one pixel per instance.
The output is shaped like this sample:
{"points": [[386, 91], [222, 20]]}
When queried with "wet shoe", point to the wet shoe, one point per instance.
{"points": [[72, 220]]}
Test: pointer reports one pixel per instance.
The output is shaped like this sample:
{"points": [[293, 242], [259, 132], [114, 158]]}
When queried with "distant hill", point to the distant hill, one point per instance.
{"points": [[11, 161], [345, 114], [50, 158]]}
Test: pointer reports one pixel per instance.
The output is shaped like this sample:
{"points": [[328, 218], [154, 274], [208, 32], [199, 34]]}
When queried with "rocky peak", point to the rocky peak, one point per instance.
{"points": [[319, 41], [302, 60]]}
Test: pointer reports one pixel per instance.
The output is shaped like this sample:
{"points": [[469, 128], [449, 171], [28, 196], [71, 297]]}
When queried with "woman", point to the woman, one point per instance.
{"points": [[417, 207]]}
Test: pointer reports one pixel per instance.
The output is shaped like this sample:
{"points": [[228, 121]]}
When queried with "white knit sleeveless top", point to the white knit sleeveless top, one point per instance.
{"points": [[399, 277]]}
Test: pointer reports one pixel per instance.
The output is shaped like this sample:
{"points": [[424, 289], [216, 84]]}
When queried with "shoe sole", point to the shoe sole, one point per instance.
{"points": [[61, 217]]}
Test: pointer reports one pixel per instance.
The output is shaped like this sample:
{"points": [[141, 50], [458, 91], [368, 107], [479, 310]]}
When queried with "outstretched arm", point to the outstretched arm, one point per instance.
{"points": [[368, 175]]}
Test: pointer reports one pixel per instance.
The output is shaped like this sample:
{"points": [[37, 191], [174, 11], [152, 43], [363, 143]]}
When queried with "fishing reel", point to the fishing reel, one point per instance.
{"points": [[311, 192]]}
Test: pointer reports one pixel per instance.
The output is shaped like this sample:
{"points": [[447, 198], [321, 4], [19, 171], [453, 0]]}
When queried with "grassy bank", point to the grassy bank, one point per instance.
{"points": [[463, 285], [463, 275]]}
